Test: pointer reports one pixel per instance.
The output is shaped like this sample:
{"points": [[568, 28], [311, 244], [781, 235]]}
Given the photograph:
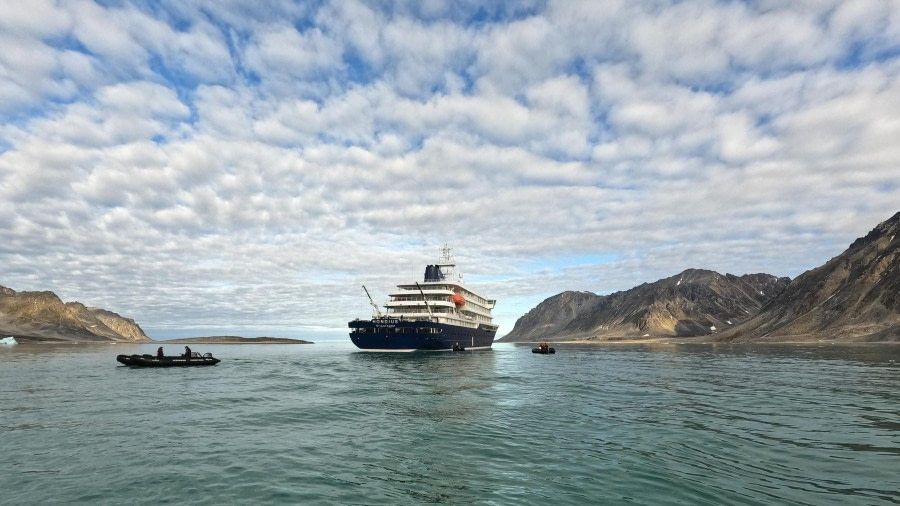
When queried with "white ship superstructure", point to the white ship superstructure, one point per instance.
{"points": [[441, 298]]}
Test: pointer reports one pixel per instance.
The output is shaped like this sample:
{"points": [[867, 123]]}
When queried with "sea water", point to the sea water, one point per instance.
{"points": [[327, 424]]}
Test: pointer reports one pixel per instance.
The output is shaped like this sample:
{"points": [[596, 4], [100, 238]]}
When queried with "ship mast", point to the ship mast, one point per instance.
{"points": [[447, 264]]}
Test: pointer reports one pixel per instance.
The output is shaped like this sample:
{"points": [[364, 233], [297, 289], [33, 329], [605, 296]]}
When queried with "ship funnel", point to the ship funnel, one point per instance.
{"points": [[433, 273]]}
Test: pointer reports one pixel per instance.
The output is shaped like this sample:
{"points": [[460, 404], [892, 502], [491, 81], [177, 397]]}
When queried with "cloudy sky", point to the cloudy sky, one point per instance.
{"points": [[216, 165]]}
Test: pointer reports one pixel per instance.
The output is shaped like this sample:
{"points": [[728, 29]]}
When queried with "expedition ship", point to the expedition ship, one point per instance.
{"points": [[439, 314]]}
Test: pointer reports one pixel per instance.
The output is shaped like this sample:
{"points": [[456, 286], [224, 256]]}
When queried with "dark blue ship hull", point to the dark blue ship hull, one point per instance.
{"points": [[391, 334]]}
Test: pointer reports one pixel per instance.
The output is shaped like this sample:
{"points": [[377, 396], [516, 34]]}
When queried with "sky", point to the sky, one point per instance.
{"points": [[219, 166]]}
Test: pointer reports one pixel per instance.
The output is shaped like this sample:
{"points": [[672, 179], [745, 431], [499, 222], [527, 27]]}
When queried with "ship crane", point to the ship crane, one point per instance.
{"points": [[425, 300], [377, 311]]}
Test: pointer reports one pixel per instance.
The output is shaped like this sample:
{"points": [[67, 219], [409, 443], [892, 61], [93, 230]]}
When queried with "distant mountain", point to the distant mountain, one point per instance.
{"points": [[42, 316], [693, 303], [855, 296]]}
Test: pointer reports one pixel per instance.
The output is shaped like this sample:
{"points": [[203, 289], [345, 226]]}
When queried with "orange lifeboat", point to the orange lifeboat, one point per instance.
{"points": [[458, 299]]}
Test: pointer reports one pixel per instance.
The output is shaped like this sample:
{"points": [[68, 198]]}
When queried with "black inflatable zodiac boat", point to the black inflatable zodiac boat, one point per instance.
{"points": [[177, 361]]}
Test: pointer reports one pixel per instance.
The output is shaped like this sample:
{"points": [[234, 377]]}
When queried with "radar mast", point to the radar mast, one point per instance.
{"points": [[447, 264]]}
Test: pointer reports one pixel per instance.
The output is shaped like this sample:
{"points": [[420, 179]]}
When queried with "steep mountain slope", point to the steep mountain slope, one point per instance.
{"points": [[127, 328], [855, 296], [551, 316], [43, 316], [693, 303]]}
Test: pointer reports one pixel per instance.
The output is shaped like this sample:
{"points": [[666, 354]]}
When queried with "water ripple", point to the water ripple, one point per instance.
{"points": [[326, 424]]}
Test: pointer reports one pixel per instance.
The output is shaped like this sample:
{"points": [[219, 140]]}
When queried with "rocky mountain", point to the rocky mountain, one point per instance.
{"points": [[693, 303], [855, 296], [43, 316], [551, 316]]}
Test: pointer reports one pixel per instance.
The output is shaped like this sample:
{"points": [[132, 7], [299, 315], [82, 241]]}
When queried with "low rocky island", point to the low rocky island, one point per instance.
{"points": [[236, 340], [41, 317]]}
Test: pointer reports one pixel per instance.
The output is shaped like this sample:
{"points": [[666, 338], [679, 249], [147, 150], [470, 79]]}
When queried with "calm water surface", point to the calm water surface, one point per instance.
{"points": [[326, 424]]}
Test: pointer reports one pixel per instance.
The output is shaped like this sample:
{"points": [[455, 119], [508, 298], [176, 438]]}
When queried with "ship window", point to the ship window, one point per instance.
{"points": [[423, 330]]}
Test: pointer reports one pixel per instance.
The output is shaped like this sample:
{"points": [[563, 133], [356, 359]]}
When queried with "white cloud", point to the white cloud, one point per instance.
{"points": [[224, 164], [427, 58], [740, 140], [106, 33], [143, 99], [225, 112], [517, 54], [359, 27], [199, 52], [284, 50], [30, 72], [39, 18]]}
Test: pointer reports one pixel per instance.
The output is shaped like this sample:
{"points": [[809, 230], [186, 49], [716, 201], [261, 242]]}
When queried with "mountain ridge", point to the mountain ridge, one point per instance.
{"points": [[855, 296], [43, 316], [694, 302]]}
